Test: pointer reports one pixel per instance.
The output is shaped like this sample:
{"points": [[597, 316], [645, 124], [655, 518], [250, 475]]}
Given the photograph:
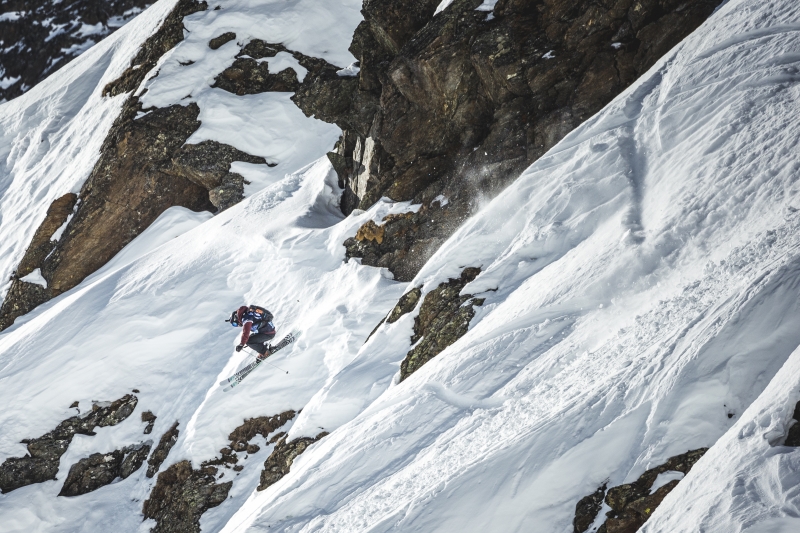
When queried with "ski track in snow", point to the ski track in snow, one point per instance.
{"points": [[642, 282]]}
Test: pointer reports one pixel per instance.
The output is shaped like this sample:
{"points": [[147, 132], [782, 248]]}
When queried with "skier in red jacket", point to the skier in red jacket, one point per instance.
{"points": [[257, 328]]}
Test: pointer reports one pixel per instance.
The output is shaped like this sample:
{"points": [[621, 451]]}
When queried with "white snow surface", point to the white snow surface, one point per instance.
{"points": [[642, 281], [35, 277]]}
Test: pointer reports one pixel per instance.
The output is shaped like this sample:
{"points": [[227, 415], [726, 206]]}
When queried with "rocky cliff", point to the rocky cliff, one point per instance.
{"points": [[450, 108], [38, 37]]}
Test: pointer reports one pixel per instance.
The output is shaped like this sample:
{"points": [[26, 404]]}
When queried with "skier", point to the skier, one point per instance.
{"points": [[257, 331]]}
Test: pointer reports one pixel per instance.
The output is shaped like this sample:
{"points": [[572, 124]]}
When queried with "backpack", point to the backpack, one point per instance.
{"points": [[262, 317]]}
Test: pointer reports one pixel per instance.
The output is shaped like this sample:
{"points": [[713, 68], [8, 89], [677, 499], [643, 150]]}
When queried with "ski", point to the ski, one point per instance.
{"points": [[237, 378]]}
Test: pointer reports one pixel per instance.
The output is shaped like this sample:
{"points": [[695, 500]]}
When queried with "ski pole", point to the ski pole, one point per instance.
{"points": [[265, 360]]}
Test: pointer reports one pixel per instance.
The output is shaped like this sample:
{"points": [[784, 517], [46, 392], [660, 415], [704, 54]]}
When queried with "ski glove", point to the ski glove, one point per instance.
{"points": [[239, 348]]}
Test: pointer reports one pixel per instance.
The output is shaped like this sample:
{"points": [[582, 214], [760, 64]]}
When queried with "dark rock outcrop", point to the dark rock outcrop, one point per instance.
{"points": [[23, 296], [403, 243], [405, 305], [455, 106], [181, 495], [144, 169], [44, 453], [225, 38], [587, 508], [165, 444], [150, 419], [101, 469], [632, 504], [264, 425], [38, 37], [283, 455], [443, 319], [793, 435], [208, 164], [241, 436]]}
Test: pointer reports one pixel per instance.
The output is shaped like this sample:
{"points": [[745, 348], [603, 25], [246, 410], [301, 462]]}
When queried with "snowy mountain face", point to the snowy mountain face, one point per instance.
{"points": [[39, 37], [608, 344]]}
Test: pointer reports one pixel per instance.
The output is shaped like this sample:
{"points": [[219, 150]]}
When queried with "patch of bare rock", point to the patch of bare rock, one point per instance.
{"points": [[632, 504], [182, 493], [44, 453]]}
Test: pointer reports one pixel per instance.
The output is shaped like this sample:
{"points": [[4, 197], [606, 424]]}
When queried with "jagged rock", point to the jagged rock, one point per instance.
{"points": [[100, 469], [793, 436], [168, 440], [226, 37], [44, 453], [134, 459], [164, 39], [263, 425], [402, 243], [587, 508], [249, 76], [207, 163], [181, 495], [44, 36], [150, 419], [283, 455], [23, 296], [632, 504], [405, 305], [443, 319]]}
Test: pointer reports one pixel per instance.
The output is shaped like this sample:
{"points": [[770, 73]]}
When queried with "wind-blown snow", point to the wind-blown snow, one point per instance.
{"points": [[642, 282]]}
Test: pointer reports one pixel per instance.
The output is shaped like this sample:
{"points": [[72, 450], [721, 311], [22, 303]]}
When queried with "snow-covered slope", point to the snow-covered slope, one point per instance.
{"points": [[641, 285]]}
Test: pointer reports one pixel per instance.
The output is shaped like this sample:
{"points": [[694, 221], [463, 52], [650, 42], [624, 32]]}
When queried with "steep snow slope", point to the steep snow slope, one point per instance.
{"points": [[641, 284], [755, 489]]}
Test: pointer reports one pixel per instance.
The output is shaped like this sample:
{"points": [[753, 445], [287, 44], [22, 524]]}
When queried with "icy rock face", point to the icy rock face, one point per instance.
{"points": [[44, 453], [39, 37], [443, 319], [459, 103], [101, 469], [633, 503]]}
